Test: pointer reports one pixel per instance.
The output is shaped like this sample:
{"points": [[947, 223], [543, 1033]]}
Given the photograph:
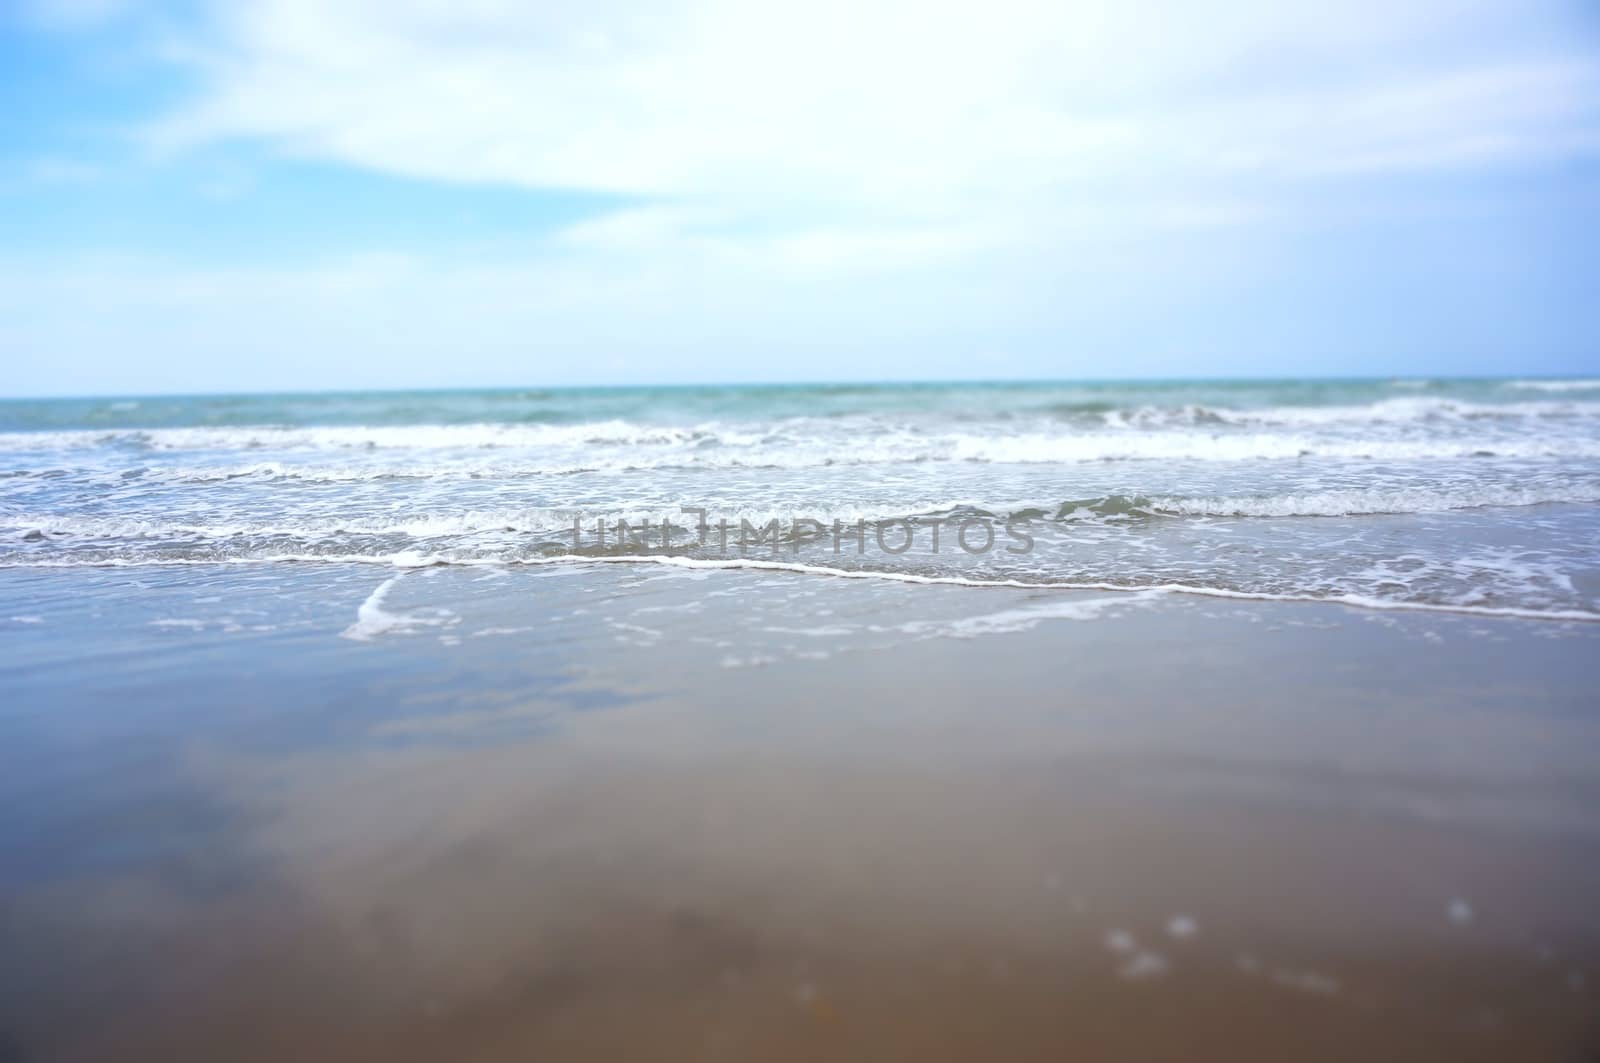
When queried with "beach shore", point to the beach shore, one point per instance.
{"points": [[632, 811]]}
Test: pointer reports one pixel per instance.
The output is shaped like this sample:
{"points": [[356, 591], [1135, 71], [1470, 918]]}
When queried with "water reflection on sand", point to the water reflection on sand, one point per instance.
{"points": [[534, 844]]}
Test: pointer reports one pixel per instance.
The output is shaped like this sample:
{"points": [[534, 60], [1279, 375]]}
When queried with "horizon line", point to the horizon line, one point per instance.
{"points": [[882, 382]]}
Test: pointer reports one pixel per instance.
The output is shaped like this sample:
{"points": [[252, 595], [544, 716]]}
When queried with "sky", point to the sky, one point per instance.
{"points": [[226, 195]]}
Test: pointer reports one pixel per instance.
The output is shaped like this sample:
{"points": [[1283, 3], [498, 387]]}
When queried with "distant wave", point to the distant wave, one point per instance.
{"points": [[484, 435], [1392, 411], [712, 449], [1554, 385], [896, 432]]}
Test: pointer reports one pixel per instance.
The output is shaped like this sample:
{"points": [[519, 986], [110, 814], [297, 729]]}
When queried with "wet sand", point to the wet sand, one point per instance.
{"points": [[624, 813]]}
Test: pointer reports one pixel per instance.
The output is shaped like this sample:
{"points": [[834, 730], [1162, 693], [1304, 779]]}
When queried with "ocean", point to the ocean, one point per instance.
{"points": [[1468, 495], [1159, 720]]}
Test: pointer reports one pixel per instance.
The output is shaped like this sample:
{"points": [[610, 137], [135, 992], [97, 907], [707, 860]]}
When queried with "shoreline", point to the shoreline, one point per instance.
{"points": [[407, 561]]}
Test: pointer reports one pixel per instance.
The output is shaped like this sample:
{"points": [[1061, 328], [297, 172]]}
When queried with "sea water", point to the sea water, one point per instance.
{"points": [[1465, 495]]}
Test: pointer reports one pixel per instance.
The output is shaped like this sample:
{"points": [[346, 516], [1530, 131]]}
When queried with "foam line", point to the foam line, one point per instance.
{"points": [[412, 560]]}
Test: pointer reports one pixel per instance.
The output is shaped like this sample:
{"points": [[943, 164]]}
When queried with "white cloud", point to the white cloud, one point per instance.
{"points": [[891, 113], [862, 189]]}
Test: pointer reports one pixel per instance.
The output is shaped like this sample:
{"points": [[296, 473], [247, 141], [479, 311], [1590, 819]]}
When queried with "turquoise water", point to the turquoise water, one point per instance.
{"points": [[672, 405], [1476, 495]]}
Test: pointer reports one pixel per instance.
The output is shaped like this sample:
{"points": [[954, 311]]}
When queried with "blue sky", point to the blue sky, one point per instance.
{"points": [[306, 194]]}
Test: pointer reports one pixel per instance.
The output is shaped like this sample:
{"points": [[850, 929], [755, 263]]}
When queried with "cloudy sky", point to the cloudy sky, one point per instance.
{"points": [[299, 194]]}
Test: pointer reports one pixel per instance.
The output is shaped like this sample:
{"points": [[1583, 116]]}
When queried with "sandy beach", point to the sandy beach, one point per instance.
{"points": [[607, 810], [757, 533]]}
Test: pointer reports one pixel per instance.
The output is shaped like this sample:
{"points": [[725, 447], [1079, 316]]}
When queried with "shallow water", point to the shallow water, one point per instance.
{"points": [[594, 810]]}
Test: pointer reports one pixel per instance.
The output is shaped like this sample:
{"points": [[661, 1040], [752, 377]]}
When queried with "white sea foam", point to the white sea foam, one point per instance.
{"points": [[555, 525], [373, 620], [488, 632], [1396, 429], [1028, 450], [358, 437], [1399, 410], [1355, 600], [1027, 617], [411, 559], [1357, 501]]}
